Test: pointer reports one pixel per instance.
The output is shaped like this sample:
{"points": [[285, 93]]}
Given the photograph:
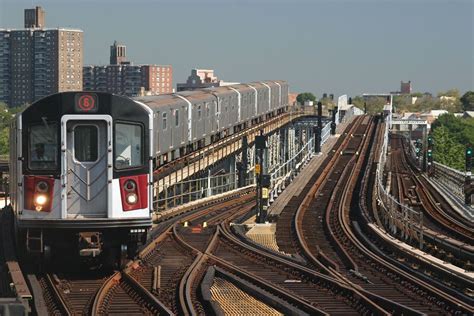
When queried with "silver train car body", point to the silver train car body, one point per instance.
{"points": [[189, 120]]}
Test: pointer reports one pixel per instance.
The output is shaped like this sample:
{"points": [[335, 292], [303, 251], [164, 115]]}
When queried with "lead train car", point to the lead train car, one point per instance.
{"points": [[82, 163], [80, 174]]}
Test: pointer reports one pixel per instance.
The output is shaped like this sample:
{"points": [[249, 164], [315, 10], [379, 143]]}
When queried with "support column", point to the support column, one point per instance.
{"points": [[333, 121], [468, 191], [242, 167], [263, 179]]}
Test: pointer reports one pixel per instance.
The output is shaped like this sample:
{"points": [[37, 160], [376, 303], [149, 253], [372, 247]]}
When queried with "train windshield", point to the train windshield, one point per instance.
{"points": [[43, 147], [128, 146]]}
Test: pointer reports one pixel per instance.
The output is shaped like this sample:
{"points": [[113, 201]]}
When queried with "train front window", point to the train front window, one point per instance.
{"points": [[128, 146], [86, 143], [43, 147]]}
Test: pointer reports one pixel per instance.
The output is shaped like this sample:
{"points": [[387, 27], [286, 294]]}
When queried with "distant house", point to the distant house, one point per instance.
{"points": [[200, 79], [409, 116], [432, 115], [292, 98]]}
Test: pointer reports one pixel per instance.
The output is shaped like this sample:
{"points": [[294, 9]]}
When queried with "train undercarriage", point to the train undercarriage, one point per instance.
{"points": [[93, 244]]}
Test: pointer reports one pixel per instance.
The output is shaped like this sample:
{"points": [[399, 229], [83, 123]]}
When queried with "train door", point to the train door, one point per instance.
{"points": [[86, 165]]}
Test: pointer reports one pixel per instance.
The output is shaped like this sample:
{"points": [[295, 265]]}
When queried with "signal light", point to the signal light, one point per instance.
{"points": [[418, 147], [469, 158], [430, 140]]}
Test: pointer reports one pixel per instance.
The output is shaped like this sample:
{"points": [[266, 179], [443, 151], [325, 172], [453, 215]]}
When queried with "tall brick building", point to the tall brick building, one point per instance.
{"points": [[405, 87], [38, 61], [124, 78]]}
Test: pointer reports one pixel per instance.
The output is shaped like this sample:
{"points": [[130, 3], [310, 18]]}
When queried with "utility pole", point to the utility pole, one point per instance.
{"points": [[333, 121], [263, 179], [468, 187], [243, 165], [429, 154], [318, 130]]}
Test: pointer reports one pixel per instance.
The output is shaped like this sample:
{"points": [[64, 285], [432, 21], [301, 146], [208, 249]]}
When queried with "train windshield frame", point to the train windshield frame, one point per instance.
{"points": [[43, 146], [128, 145]]}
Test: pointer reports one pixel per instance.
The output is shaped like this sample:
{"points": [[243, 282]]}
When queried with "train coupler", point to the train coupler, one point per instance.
{"points": [[34, 240]]}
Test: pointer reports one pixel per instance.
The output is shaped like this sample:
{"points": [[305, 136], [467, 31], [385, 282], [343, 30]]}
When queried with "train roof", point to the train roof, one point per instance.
{"points": [[205, 94]]}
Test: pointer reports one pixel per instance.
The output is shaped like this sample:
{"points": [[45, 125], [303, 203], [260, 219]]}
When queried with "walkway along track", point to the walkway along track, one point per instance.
{"points": [[335, 246]]}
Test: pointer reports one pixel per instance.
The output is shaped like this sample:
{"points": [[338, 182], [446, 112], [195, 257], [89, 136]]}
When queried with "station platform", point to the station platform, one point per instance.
{"points": [[305, 174]]}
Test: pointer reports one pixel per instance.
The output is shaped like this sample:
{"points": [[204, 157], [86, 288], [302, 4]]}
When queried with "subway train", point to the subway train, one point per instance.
{"points": [[82, 163]]}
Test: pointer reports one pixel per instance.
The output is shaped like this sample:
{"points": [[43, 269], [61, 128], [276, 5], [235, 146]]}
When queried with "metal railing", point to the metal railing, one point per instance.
{"points": [[393, 214], [167, 196], [288, 170], [451, 178]]}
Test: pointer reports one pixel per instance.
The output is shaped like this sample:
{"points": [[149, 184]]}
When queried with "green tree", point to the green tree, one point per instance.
{"points": [[328, 103], [374, 104], [358, 102], [5, 119], [451, 134], [446, 150], [402, 103], [305, 96], [449, 93], [467, 101]]}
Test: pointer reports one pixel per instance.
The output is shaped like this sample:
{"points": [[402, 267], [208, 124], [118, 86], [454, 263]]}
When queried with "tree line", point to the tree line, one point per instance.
{"points": [[6, 116], [450, 135]]}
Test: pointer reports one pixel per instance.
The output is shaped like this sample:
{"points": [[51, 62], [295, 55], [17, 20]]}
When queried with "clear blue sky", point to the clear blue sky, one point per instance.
{"points": [[351, 46]]}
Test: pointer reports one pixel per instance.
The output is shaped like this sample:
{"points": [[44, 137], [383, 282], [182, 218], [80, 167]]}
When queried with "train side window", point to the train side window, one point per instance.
{"points": [[86, 143], [128, 146], [43, 147], [163, 125], [176, 117], [199, 112]]}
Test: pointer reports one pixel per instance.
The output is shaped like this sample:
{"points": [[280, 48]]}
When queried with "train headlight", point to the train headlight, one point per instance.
{"points": [[42, 186], [132, 198], [41, 200]]}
